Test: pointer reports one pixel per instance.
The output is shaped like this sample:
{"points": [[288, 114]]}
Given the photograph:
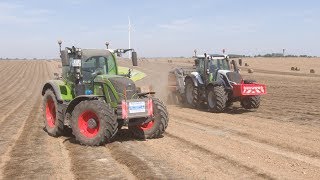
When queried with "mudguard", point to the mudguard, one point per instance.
{"points": [[78, 99], [61, 89], [196, 78]]}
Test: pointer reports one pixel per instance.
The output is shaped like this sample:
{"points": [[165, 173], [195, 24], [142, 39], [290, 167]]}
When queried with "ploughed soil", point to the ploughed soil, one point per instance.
{"points": [[280, 140]]}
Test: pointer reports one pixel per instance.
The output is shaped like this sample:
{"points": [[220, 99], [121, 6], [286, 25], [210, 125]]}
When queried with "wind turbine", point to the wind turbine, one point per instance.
{"points": [[129, 31]]}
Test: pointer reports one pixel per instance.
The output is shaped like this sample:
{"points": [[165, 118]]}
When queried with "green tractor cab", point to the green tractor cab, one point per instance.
{"points": [[95, 100]]}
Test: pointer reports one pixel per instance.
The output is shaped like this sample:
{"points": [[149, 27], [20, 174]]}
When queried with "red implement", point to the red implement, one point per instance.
{"points": [[249, 89]]}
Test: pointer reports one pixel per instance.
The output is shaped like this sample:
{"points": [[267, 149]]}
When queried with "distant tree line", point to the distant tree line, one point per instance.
{"points": [[281, 55]]}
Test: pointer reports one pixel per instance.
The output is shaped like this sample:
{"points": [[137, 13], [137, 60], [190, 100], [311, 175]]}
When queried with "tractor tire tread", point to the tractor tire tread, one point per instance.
{"points": [[162, 111], [58, 130], [105, 113]]}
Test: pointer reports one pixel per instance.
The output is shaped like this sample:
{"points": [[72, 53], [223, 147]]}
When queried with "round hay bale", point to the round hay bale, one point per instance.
{"points": [[312, 71], [240, 62], [292, 68], [250, 70], [246, 64]]}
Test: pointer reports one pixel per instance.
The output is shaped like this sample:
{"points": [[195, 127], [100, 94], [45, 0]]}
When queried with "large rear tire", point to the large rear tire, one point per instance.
{"points": [[252, 102], [217, 99], [53, 118], [156, 127], [93, 122]]}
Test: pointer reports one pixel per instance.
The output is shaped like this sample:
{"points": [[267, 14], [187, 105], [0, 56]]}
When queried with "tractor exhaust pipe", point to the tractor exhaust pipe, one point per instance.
{"points": [[235, 66]]}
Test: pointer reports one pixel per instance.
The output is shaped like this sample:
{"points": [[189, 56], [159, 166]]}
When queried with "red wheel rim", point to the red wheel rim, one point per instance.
{"points": [[83, 124], [147, 126], [50, 112]]}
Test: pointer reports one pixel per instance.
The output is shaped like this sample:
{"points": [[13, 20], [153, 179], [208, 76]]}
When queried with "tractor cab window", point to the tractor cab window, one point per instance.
{"points": [[112, 69], [90, 65], [213, 66], [225, 64], [221, 64], [200, 65]]}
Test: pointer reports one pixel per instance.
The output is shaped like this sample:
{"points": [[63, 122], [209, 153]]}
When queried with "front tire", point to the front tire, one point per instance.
{"points": [[156, 127], [53, 118], [192, 94], [217, 99], [93, 123]]}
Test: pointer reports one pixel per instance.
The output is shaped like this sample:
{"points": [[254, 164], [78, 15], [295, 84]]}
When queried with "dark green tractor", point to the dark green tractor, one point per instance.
{"points": [[211, 83], [95, 100]]}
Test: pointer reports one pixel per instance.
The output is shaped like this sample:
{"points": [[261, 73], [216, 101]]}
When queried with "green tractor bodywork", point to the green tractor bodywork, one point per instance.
{"points": [[95, 100]]}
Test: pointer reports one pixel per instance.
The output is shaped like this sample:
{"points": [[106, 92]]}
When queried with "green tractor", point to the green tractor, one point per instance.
{"points": [[95, 100]]}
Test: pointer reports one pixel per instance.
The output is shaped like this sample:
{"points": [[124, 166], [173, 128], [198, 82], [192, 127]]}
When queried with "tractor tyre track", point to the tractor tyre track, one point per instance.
{"points": [[30, 153]]}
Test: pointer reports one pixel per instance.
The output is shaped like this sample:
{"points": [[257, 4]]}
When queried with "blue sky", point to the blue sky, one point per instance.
{"points": [[31, 28]]}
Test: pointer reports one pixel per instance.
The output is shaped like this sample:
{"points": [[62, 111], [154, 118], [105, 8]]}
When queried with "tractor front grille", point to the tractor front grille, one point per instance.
{"points": [[124, 85]]}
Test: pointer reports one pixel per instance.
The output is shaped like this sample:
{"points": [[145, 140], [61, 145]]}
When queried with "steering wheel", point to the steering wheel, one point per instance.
{"points": [[98, 71]]}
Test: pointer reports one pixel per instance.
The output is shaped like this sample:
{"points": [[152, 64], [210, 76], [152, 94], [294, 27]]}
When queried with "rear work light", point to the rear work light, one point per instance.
{"points": [[150, 107], [124, 107]]}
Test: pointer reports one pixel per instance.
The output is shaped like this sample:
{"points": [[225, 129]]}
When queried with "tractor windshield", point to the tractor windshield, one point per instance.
{"points": [[94, 63], [221, 64]]}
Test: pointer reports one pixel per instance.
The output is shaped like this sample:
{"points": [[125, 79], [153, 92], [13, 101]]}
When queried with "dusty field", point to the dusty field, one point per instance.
{"points": [[281, 140]]}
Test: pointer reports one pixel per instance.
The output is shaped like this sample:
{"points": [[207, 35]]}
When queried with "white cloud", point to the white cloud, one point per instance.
{"points": [[179, 24], [5, 6], [17, 14]]}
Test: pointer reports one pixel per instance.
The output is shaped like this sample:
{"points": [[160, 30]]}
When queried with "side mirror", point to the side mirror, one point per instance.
{"points": [[134, 58]]}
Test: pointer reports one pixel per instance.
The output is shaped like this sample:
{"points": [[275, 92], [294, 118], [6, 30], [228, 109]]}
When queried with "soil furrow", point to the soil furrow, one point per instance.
{"points": [[274, 163], [94, 163], [312, 153], [14, 80], [35, 154], [17, 90], [141, 162]]}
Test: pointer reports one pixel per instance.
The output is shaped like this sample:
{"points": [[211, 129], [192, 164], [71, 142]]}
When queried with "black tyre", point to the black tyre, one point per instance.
{"points": [[252, 102], [191, 93], [53, 117], [156, 127], [93, 122], [120, 124], [229, 104], [217, 99]]}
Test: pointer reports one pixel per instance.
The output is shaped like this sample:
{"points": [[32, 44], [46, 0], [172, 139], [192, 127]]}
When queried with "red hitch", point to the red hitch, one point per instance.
{"points": [[249, 89]]}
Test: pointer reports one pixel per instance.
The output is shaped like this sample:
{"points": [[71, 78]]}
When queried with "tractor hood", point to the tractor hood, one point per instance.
{"points": [[231, 76], [125, 87]]}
